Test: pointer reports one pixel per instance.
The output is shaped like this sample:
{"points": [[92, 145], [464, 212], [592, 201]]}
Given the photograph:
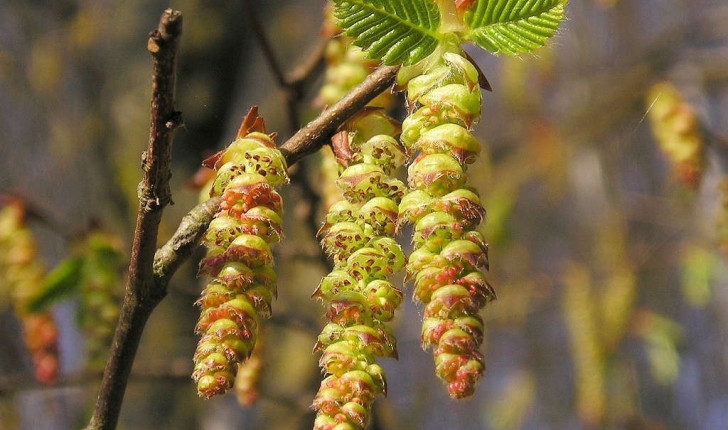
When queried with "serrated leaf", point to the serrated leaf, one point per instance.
{"points": [[513, 26], [395, 31], [62, 281]]}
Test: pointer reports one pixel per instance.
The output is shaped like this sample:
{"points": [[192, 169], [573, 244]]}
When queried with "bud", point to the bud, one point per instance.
{"points": [[334, 283], [342, 239], [369, 263], [415, 205], [252, 250], [391, 251], [461, 372], [463, 70], [453, 103], [435, 230], [464, 205], [362, 182], [382, 299], [381, 150], [341, 211], [262, 222]]}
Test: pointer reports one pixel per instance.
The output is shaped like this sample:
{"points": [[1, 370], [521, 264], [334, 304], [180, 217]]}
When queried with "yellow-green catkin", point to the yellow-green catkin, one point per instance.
{"points": [[239, 259], [360, 299], [358, 235], [450, 254], [346, 67]]}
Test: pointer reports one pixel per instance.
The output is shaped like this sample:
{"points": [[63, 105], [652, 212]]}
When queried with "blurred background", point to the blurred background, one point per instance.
{"points": [[605, 249]]}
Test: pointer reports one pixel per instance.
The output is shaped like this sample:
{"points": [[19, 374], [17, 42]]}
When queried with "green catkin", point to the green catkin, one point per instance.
{"points": [[362, 216], [239, 258], [100, 282], [360, 299], [444, 103]]}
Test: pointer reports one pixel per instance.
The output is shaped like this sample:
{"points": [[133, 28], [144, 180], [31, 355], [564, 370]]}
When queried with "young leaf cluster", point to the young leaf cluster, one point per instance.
{"points": [[395, 31], [405, 32], [513, 27]]}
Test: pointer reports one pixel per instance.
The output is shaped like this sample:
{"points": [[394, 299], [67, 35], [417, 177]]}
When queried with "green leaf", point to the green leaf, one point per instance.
{"points": [[62, 281], [513, 26], [395, 31]]}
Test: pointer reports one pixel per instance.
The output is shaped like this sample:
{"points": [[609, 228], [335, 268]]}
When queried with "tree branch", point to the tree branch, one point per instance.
{"points": [[193, 225], [142, 293], [314, 135]]}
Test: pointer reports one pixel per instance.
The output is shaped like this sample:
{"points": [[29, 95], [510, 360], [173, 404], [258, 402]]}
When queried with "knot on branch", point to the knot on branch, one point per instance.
{"points": [[150, 200]]}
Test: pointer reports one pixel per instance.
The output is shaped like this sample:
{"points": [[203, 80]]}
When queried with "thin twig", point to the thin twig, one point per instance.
{"points": [[270, 57], [304, 73], [142, 294], [292, 93], [292, 85]]}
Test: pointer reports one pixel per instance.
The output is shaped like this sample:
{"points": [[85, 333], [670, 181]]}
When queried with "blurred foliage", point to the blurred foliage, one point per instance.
{"points": [[611, 288], [676, 129], [93, 273], [21, 279]]}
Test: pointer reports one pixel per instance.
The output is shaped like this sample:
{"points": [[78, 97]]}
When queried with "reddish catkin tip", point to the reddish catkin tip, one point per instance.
{"points": [[46, 368]]}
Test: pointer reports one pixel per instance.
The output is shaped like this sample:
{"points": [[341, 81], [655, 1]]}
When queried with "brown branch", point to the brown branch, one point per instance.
{"points": [[310, 138], [142, 293]]}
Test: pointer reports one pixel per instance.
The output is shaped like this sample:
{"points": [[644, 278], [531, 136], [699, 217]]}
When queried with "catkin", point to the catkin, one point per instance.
{"points": [[449, 255], [239, 259]]}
